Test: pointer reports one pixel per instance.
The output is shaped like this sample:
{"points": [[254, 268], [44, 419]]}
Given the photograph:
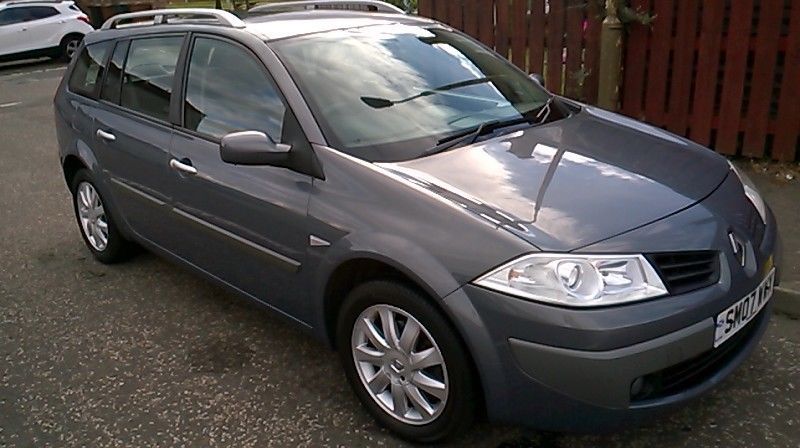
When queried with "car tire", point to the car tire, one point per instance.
{"points": [[69, 45], [95, 223], [453, 407]]}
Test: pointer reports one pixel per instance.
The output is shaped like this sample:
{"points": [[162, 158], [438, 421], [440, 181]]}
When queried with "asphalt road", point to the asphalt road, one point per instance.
{"points": [[146, 354]]}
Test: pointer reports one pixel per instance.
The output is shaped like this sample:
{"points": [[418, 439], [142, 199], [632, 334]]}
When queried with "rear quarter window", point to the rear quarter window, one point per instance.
{"points": [[89, 68], [41, 12]]}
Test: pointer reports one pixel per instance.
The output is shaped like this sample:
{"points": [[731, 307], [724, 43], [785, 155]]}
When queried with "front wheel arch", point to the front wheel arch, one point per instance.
{"points": [[468, 403], [355, 272], [349, 275]]}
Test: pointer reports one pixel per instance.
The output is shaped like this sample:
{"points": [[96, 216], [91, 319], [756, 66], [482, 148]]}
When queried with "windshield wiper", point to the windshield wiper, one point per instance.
{"points": [[382, 103], [470, 135], [543, 111]]}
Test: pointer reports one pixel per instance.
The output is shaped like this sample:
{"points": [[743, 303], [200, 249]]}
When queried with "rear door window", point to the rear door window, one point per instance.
{"points": [[148, 75], [88, 71], [10, 16]]}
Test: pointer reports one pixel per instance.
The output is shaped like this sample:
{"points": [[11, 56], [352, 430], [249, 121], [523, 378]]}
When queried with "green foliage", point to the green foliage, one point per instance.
{"points": [[638, 15], [627, 14]]}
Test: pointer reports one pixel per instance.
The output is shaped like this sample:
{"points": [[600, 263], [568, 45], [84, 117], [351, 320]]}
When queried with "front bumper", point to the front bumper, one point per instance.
{"points": [[634, 377], [563, 369], [556, 388]]}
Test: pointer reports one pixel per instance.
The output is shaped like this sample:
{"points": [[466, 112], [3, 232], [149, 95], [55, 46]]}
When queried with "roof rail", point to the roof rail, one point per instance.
{"points": [[305, 5], [161, 16], [20, 2]]}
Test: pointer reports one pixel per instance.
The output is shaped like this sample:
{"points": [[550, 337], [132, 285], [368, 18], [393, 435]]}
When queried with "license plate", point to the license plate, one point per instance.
{"points": [[740, 313]]}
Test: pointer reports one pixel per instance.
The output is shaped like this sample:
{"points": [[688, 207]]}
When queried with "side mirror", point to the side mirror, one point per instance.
{"points": [[538, 78], [252, 148]]}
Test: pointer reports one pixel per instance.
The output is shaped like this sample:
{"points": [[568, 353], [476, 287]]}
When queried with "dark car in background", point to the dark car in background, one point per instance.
{"points": [[467, 241]]}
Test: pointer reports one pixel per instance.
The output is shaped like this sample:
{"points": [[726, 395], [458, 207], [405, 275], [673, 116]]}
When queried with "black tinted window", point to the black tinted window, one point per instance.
{"points": [[228, 90], [148, 75], [89, 69], [13, 15], [25, 14], [111, 86], [41, 12]]}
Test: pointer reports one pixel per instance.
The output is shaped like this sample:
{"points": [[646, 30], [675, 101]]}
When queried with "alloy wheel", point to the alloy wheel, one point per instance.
{"points": [[399, 364], [94, 222]]}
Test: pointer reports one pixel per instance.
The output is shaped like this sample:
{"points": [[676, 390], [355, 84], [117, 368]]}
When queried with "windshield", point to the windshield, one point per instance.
{"points": [[391, 92]]}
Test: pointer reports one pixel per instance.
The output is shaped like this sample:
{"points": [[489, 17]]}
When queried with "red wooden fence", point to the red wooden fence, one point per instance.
{"points": [[557, 39], [725, 73]]}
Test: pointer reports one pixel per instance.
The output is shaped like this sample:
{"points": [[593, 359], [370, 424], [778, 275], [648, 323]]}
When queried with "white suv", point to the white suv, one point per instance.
{"points": [[41, 28]]}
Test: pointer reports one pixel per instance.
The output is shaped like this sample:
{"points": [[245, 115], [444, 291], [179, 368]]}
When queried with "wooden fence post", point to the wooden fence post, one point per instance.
{"points": [[610, 58]]}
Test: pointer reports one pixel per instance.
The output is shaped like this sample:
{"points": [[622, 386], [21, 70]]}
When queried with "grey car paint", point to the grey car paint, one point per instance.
{"points": [[542, 183], [487, 317], [442, 221], [137, 165]]}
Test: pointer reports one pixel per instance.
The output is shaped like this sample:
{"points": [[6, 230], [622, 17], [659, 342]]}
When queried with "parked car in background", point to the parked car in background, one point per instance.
{"points": [[469, 242], [31, 29]]}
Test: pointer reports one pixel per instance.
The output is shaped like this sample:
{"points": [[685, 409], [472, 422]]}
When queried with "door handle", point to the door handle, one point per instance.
{"points": [[107, 136], [182, 167]]}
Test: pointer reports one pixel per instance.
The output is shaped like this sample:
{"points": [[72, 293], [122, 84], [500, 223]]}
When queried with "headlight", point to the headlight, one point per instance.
{"points": [[751, 192], [577, 280]]}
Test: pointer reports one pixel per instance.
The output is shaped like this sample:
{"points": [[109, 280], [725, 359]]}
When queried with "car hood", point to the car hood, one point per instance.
{"points": [[573, 182]]}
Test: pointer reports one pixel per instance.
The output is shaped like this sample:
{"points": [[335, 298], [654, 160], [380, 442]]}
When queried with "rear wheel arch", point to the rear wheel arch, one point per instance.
{"points": [[84, 160], [70, 36], [115, 246], [63, 51], [72, 164]]}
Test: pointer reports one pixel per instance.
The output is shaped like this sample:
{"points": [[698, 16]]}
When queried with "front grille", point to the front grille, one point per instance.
{"points": [[694, 371], [686, 271]]}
